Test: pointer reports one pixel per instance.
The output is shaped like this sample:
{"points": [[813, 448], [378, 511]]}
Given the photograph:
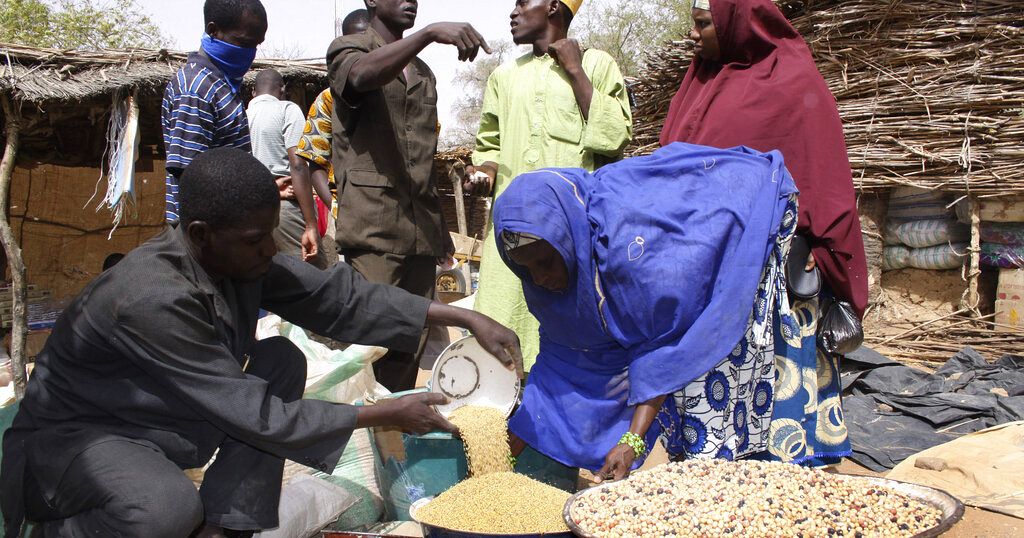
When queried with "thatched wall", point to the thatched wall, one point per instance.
{"points": [[64, 98], [931, 92], [476, 207], [64, 239]]}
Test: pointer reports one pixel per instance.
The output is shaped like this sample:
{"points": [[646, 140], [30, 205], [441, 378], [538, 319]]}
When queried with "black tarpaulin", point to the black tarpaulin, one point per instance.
{"points": [[893, 411]]}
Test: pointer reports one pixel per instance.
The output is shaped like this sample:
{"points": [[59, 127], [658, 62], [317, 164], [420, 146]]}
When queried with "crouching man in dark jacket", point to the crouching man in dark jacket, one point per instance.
{"points": [[155, 366]]}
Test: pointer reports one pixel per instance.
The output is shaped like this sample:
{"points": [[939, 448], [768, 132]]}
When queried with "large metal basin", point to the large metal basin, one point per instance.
{"points": [[952, 509]]}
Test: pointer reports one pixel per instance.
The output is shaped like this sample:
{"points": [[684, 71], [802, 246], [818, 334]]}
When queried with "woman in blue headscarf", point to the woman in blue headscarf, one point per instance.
{"points": [[644, 276]]}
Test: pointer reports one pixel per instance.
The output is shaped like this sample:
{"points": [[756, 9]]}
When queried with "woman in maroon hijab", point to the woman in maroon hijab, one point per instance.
{"points": [[753, 83]]}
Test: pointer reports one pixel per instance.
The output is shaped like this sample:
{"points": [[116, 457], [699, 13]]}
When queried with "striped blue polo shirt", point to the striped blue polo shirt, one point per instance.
{"points": [[199, 112]]}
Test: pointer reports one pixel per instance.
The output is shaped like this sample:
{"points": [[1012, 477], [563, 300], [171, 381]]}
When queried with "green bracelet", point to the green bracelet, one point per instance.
{"points": [[635, 442]]}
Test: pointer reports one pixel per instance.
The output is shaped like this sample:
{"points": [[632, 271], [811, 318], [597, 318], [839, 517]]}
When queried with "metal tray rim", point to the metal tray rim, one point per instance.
{"points": [[427, 527]]}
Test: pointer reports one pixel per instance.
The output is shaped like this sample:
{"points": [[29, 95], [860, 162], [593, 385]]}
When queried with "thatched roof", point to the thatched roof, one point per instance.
{"points": [[931, 92], [38, 75]]}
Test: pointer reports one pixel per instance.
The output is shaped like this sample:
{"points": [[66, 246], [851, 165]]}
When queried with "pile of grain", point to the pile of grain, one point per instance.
{"points": [[755, 499], [484, 432], [498, 503]]}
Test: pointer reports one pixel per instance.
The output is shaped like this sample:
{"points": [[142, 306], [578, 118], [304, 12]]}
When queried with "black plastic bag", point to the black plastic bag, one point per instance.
{"points": [[839, 329]]}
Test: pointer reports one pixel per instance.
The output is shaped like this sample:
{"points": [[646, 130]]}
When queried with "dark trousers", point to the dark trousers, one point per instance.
{"points": [[288, 234], [415, 274], [130, 488]]}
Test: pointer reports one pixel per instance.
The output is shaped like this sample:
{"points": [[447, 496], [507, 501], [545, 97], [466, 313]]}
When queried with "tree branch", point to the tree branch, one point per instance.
{"points": [[19, 322]]}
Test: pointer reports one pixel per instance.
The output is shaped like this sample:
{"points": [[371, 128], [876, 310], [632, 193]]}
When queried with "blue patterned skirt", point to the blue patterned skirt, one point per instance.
{"points": [[807, 424], [776, 397], [728, 412]]}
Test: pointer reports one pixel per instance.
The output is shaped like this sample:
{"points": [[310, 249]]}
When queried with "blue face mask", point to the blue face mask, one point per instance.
{"points": [[233, 61]]}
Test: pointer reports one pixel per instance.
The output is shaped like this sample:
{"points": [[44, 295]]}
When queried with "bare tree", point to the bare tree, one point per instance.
{"points": [[79, 24], [628, 30], [282, 51], [473, 80]]}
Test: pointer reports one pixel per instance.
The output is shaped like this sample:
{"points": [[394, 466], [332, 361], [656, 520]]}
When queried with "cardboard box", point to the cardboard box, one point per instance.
{"points": [[467, 248], [1010, 316], [1011, 285], [1010, 301]]}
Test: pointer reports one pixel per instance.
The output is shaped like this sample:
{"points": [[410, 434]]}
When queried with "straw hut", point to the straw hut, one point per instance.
{"points": [[464, 214], [57, 108], [931, 93]]}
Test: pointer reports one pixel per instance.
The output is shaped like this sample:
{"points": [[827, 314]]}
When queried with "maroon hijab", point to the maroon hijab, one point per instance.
{"points": [[766, 93]]}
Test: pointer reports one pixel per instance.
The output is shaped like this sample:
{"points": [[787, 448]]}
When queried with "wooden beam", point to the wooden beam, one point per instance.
{"points": [[19, 290]]}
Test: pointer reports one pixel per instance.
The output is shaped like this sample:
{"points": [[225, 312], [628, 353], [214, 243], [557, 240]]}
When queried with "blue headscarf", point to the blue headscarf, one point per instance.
{"points": [[232, 60], [551, 205], [665, 253]]}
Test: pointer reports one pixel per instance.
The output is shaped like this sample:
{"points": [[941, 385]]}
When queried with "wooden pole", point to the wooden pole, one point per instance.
{"points": [[455, 174], [972, 298], [19, 321]]}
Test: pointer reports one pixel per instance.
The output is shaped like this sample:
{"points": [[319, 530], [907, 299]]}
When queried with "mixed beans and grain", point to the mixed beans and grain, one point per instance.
{"points": [[748, 498]]}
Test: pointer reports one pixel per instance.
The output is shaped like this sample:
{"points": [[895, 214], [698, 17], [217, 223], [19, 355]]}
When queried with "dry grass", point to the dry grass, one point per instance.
{"points": [[38, 75]]}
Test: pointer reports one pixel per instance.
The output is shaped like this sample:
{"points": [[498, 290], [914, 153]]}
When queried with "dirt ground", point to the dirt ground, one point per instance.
{"points": [[912, 298]]}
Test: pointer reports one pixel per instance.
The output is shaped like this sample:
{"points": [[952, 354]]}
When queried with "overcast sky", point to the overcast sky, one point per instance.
{"points": [[307, 27]]}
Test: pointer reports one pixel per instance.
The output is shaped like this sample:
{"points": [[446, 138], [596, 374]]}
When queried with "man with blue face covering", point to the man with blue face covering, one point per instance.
{"points": [[202, 106]]}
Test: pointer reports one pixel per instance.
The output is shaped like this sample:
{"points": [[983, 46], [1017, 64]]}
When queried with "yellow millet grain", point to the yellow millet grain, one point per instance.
{"points": [[714, 498], [498, 503], [484, 432]]}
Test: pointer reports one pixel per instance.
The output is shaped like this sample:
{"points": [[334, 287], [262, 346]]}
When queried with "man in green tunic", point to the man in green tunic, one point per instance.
{"points": [[553, 107]]}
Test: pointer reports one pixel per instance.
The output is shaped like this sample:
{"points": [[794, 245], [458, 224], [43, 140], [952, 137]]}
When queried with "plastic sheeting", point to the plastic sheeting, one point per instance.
{"points": [[894, 411]]}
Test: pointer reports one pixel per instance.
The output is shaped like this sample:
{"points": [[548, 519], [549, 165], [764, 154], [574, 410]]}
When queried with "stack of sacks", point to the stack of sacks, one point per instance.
{"points": [[1002, 244], [922, 232]]}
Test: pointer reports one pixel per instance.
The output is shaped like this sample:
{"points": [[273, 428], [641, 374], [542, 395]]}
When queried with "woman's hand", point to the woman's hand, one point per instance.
{"points": [[810, 263], [617, 463]]}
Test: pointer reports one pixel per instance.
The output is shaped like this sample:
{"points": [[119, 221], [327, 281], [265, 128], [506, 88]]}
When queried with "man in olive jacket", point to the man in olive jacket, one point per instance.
{"points": [[390, 227]]}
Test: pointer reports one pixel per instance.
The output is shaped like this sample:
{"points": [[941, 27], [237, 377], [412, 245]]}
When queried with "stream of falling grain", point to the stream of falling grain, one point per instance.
{"points": [[484, 433]]}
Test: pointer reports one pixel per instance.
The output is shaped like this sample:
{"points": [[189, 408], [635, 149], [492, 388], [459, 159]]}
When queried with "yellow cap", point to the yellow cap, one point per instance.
{"points": [[574, 5]]}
